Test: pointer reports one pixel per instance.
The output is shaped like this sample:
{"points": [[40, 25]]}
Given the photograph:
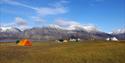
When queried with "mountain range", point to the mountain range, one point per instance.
{"points": [[55, 32]]}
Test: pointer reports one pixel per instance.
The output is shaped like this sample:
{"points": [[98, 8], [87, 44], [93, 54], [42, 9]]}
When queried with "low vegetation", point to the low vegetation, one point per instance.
{"points": [[71, 52]]}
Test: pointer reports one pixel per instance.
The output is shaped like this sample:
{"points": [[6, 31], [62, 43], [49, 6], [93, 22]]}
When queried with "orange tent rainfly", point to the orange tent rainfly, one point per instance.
{"points": [[25, 42]]}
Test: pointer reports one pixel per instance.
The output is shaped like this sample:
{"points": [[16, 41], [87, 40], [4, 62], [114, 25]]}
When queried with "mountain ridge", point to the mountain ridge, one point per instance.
{"points": [[54, 33]]}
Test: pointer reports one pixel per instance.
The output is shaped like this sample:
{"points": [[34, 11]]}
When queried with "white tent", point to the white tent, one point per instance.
{"points": [[107, 39], [114, 39]]}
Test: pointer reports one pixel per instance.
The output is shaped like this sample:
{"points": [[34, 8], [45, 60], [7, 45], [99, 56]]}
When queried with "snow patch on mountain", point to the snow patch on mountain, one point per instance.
{"points": [[119, 31], [73, 25], [9, 29], [88, 28], [54, 26]]}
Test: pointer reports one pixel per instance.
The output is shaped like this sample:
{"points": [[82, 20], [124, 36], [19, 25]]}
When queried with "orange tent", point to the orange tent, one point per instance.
{"points": [[25, 42]]}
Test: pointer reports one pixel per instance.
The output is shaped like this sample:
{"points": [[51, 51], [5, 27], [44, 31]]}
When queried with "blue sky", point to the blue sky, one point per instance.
{"points": [[107, 15]]}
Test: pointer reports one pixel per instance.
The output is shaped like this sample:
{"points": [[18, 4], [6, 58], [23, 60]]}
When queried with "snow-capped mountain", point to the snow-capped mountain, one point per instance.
{"points": [[119, 31], [87, 28], [9, 29], [53, 32]]}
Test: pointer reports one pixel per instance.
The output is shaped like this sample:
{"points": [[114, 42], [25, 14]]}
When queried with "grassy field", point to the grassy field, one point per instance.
{"points": [[72, 52]]}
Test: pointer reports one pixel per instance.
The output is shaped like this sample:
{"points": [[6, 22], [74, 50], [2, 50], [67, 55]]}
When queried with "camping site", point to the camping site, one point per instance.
{"points": [[62, 31]]}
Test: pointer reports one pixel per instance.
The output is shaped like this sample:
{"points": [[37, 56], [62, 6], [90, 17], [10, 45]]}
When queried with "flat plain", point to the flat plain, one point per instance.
{"points": [[70, 52]]}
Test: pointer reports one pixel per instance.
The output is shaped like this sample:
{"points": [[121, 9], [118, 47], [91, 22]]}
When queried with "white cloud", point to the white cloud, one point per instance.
{"points": [[86, 27], [51, 11], [73, 25], [118, 31], [65, 23], [12, 2], [59, 3], [20, 21], [90, 27], [38, 19], [54, 9]]}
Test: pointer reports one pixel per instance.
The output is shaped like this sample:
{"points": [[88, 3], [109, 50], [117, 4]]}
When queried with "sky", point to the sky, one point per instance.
{"points": [[105, 15]]}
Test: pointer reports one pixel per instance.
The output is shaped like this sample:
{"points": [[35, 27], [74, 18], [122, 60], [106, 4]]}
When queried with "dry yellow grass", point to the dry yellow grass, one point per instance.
{"points": [[72, 52]]}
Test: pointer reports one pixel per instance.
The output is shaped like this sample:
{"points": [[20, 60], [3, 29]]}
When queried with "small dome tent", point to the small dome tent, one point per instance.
{"points": [[25, 42]]}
